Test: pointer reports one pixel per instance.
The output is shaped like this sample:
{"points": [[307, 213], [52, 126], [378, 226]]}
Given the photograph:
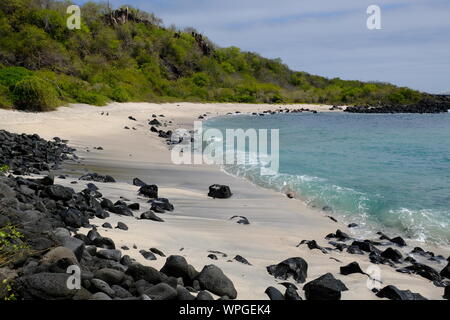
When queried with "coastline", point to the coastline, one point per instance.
{"points": [[199, 223]]}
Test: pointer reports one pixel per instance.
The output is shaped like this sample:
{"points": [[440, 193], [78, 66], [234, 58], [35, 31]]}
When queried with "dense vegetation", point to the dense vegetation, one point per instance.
{"points": [[44, 64]]}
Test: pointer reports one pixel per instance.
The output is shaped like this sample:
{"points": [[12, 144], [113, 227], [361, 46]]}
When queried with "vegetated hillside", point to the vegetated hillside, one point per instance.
{"points": [[128, 55]]}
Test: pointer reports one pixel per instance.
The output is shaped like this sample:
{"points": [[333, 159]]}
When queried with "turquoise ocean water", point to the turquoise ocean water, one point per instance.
{"points": [[385, 172]]}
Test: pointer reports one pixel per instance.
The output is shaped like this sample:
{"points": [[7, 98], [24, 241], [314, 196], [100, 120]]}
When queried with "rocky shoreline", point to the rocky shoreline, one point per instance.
{"points": [[41, 224], [439, 104]]}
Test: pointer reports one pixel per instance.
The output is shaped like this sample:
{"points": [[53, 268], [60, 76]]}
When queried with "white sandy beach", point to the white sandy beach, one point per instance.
{"points": [[199, 223]]}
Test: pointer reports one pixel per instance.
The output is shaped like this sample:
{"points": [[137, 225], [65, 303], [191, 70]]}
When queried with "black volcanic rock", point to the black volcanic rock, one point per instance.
{"points": [[149, 191], [147, 255], [177, 266], [241, 220], [57, 192], [436, 104], [274, 294], [447, 293], [155, 122], [365, 246], [150, 215], [161, 205], [312, 244], [393, 293], [211, 278], [351, 268], [219, 191], [44, 286], [422, 270], [122, 226], [392, 254], [326, 287], [138, 182], [97, 178], [445, 273], [291, 294], [241, 259], [339, 235], [293, 267]]}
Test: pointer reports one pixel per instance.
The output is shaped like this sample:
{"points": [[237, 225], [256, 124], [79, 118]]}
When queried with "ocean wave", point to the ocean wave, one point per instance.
{"points": [[350, 205], [379, 172]]}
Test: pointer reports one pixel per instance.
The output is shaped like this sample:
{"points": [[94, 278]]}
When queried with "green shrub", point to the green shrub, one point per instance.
{"points": [[120, 95], [200, 79], [397, 98], [93, 98], [5, 97], [6, 291], [4, 168], [10, 76], [35, 94], [12, 245]]}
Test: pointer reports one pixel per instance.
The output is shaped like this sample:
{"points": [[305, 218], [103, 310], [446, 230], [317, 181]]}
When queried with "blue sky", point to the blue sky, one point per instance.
{"points": [[327, 37]]}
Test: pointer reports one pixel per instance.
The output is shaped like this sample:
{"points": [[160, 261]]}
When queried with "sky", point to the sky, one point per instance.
{"points": [[327, 37]]}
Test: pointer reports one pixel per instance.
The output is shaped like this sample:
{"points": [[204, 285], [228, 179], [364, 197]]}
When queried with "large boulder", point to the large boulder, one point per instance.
{"points": [[291, 294], [155, 122], [147, 255], [161, 205], [140, 272], [292, 267], [149, 215], [422, 270], [98, 285], [57, 192], [44, 286], [204, 296], [100, 296], [326, 287], [149, 191], [365, 246], [120, 292], [161, 291], [74, 218], [351, 268], [392, 254], [122, 210], [399, 241], [219, 191], [75, 245], [445, 273], [183, 294], [274, 294], [211, 278], [58, 253], [110, 254], [107, 204], [339, 235], [121, 226], [111, 276], [177, 266], [393, 293], [104, 242]]}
